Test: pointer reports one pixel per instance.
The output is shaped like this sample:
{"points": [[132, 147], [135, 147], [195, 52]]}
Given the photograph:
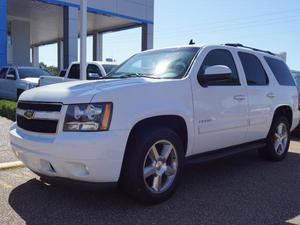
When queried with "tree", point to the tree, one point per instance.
{"points": [[51, 69]]}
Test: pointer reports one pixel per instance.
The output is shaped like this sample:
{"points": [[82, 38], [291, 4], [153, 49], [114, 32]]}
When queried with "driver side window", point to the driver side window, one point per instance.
{"points": [[12, 71], [220, 57]]}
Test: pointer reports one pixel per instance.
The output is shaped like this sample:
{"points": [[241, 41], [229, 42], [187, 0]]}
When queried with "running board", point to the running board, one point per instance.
{"points": [[224, 152]]}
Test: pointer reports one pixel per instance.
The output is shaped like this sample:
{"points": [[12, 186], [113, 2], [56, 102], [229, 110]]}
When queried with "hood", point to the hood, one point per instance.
{"points": [[76, 91], [33, 80]]}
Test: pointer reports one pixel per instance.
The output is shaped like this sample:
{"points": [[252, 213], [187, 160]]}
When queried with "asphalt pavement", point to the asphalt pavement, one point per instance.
{"points": [[6, 154], [243, 189]]}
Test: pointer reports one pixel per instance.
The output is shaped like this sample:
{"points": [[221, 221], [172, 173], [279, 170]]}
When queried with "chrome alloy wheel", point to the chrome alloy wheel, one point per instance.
{"points": [[160, 166], [281, 138]]}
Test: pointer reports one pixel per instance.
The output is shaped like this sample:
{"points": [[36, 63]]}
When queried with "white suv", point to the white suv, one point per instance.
{"points": [[154, 113]]}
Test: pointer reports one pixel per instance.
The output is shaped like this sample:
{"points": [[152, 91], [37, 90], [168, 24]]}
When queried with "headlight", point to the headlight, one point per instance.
{"points": [[88, 117], [30, 86]]}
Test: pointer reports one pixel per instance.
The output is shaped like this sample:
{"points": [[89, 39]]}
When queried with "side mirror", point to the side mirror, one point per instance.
{"points": [[11, 77], [94, 76], [215, 73]]}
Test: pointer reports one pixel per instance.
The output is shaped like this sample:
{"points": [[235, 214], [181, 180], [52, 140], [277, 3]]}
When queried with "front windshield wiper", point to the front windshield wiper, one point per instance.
{"points": [[138, 75]]}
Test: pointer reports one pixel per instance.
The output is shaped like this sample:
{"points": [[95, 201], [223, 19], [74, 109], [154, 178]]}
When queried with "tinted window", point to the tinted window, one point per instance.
{"points": [[221, 57], [254, 71], [93, 69], [32, 72], [280, 71], [74, 72], [3, 73], [12, 72], [62, 73]]}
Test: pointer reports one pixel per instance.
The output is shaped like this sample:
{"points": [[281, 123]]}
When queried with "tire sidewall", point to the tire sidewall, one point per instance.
{"points": [[142, 147], [271, 138]]}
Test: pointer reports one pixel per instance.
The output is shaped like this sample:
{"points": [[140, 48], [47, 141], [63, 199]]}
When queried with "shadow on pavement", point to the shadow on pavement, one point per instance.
{"points": [[242, 189]]}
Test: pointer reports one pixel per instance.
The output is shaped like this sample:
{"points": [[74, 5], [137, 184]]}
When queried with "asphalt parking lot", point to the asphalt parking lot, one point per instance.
{"points": [[243, 189]]}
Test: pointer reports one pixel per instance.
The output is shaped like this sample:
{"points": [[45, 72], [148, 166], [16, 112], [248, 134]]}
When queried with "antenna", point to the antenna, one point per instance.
{"points": [[191, 42]]}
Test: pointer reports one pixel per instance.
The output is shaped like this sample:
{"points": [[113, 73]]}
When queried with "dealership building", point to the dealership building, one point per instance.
{"points": [[27, 24]]}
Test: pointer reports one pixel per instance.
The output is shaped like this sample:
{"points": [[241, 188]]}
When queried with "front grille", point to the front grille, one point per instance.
{"points": [[41, 126], [40, 106], [47, 124]]}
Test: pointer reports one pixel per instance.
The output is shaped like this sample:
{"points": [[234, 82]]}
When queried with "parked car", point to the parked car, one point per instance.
{"points": [[95, 71], [62, 73], [157, 111], [296, 76], [14, 80]]}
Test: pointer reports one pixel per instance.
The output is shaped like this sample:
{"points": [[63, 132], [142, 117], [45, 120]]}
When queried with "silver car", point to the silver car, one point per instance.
{"points": [[14, 80]]}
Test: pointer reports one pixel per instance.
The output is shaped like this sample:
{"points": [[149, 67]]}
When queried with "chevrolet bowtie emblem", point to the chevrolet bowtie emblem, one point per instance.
{"points": [[29, 114]]}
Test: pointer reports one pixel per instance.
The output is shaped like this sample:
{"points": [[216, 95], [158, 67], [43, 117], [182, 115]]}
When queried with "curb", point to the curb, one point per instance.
{"points": [[11, 165]]}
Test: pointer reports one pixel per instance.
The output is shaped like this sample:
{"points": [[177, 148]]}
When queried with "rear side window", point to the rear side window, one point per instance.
{"points": [[280, 71], [254, 71], [91, 68], [74, 72]]}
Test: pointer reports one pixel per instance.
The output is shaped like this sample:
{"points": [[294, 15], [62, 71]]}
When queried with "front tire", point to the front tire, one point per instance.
{"points": [[153, 165], [278, 140]]}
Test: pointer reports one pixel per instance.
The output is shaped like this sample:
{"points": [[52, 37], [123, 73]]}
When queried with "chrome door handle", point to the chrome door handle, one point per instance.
{"points": [[270, 95], [239, 97]]}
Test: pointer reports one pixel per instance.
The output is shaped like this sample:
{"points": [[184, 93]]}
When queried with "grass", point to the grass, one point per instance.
{"points": [[8, 109]]}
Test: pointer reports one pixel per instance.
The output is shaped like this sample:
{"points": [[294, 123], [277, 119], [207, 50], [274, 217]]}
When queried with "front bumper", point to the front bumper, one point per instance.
{"points": [[83, 156]]}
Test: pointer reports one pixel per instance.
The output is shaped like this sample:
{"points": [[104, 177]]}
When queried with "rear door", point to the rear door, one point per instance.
{"points": [[220, 108], [260, 95]]}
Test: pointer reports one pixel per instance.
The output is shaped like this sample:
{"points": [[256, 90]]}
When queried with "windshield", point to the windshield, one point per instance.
{"points": [[32, 72], [166, 63], [297, 79]]}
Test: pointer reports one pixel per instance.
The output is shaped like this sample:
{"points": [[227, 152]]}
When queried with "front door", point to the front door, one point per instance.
{"points": [[10, 84], [220, 109]]}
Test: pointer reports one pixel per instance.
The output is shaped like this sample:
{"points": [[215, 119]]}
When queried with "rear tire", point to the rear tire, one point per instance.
{"points": [[278, 140], [153, 165]]}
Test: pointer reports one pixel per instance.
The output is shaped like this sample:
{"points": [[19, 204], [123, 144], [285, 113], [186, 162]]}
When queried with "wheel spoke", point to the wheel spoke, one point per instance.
{"points": [[166, 151], [284, 136], [149, 171], [156, 185], [277, 135], [170, 171], [280, 129], [276, 145], [154, 154]]}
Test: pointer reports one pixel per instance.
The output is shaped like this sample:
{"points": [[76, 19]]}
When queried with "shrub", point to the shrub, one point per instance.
{"points": [[8, 109]]}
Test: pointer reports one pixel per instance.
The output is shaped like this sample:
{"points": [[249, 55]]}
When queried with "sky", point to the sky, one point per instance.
{"points": [[272, 25]]}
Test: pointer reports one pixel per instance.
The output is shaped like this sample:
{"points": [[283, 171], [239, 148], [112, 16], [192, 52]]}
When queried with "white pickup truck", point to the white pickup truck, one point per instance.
{"points": [[154, 113], [95, 71]]}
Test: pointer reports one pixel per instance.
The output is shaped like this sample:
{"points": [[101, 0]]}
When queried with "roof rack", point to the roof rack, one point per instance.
{"points": [[243, 46]]}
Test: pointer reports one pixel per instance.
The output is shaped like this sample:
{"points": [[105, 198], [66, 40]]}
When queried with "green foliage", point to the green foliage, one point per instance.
{"points": [[8, 109], [52, 69]]}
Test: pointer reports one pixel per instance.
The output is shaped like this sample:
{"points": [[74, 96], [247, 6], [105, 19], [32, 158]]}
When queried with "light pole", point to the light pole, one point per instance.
{"points": [[83, 36]]}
